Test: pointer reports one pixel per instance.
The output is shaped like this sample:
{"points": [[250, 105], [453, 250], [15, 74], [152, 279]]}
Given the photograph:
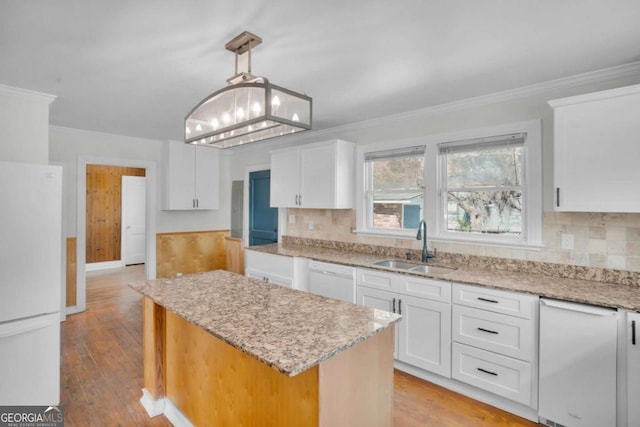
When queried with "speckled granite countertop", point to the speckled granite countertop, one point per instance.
{"points": [[584, 291], [287, 329]]}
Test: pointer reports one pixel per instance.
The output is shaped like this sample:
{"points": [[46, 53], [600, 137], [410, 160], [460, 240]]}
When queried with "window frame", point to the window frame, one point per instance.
{"points": [[434, 209]]}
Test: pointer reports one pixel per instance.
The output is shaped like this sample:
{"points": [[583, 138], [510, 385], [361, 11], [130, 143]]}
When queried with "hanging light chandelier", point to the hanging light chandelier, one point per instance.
{"points": [[249, 109]]}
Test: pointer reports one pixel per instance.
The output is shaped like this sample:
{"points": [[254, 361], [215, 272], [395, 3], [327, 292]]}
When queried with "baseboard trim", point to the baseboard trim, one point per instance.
{"points": [[94, 266], [166, 407], [154, 407]]}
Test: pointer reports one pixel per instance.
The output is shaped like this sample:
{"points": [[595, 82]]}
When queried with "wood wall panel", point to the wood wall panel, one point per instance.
{"points": [[104, 211], [235, 255], [215, 384], [190, 252], [71, 272]]}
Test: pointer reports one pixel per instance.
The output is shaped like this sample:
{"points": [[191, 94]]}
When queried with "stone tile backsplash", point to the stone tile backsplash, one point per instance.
{"points": [[603, 240]]}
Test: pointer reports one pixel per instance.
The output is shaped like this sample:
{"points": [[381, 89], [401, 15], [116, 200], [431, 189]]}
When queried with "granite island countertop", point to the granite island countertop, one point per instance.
{"points": [[287, 329], [615, 295]]}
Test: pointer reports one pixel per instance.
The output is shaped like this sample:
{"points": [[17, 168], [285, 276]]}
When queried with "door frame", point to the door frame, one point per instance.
{"points": [[245, 203], [81, 220]]}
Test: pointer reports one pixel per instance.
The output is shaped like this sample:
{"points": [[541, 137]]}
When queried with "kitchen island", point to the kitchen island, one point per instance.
{"points": [[223, 349]]}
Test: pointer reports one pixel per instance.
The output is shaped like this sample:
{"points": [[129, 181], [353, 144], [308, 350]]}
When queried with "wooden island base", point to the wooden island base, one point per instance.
{"points": [[213, 383]]}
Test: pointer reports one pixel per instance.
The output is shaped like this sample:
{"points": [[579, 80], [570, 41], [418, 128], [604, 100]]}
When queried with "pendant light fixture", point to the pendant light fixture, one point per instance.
{"points": [[249, 109]]}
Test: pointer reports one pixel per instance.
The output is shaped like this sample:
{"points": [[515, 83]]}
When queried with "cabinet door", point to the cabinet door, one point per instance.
{"points": [[382, 300], [207, 177], [633, 369], [285, 179], [425, 334], [596, 151], [180, 179], [318, 177]]}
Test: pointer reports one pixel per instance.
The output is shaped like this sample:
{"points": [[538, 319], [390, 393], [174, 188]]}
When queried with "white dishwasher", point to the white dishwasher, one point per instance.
{"points": [[332, 280], [578, 345]]}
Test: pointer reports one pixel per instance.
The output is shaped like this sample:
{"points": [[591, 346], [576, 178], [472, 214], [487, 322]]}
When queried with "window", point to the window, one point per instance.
{"points": [[483, 186], [474, 186], [395, 188]]}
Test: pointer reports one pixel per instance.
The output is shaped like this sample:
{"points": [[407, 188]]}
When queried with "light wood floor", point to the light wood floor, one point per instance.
{"points": [[102, 369]]}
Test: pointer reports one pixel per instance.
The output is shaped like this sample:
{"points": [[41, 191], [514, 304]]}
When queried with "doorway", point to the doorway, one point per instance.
{"points": [[263, 219], [105, 210], [150, 168]]}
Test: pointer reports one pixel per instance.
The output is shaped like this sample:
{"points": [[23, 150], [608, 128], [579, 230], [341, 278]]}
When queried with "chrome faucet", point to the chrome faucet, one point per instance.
{"points": [[425, 253]]}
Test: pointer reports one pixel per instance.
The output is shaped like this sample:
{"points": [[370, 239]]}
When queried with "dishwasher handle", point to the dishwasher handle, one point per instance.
{"points": [[330, 273], [580, 308]]}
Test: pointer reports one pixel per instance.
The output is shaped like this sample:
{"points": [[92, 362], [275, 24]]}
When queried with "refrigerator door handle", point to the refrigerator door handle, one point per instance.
{"points": [[17, 327], [580, 308]]}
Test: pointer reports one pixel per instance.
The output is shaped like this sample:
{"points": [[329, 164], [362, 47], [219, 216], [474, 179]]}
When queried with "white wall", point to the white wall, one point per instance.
{"points": [[24, 125], [67, 144]]}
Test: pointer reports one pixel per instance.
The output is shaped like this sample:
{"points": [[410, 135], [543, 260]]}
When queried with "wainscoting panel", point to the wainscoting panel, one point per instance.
{"points": [[190, 252], [71, 272]]}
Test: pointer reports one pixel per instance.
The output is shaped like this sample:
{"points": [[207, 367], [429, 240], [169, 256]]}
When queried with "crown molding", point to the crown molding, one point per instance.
{"points": [[592, 77], [30, 95]]}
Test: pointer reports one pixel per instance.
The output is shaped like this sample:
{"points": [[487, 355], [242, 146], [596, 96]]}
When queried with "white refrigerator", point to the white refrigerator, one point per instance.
{"points": [[30, 283]]}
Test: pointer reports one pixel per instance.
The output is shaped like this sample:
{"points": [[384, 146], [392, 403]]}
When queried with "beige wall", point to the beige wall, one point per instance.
{"points": [[67, 144], [601, 240], [24, 125]]}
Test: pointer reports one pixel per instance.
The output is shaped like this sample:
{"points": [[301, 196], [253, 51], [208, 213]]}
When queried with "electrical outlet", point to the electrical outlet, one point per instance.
{"points": [[310, 225], [178, 274], [292, 219], [566, 240]]}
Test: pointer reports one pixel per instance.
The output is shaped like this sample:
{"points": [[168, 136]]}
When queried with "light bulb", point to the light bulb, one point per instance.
{"points": [[226, 118], [240, 113], [215, 123], [264, 124], [275, 101], [256, 108], [198, 127], [295, 117]]}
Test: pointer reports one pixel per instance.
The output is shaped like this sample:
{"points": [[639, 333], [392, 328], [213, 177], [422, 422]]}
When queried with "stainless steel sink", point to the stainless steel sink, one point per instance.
{"points": [[432, 269], [392, 263]]}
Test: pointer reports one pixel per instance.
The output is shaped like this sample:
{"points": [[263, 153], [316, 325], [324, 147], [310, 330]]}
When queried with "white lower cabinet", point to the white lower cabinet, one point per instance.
{"points": [[269, 268], [504, 376], [633, 368], [495, 342], [423, 336]]}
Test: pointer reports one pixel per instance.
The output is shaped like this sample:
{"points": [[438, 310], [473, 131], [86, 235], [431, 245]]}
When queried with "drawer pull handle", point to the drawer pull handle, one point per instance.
{"points": [[488, 300], [394, 305], [487, 372], [489, 331], [399, 306], [633, 332]]}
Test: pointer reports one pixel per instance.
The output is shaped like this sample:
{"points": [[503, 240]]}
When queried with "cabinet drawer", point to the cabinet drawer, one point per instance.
{"points": [[514, 304], [497, 374], [375, 279], [511, 336], [436, 290]]}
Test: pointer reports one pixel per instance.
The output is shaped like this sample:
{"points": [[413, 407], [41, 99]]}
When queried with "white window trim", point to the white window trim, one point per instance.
{"points": [[434, 210]]}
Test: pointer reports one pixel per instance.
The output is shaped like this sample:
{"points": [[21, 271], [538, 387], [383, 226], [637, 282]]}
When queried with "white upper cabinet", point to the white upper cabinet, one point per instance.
{"points": [[596, 151], [192, 178], [318, 176]]}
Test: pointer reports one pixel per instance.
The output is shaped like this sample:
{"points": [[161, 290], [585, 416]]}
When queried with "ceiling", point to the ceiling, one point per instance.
{"points": [[137, 67]]}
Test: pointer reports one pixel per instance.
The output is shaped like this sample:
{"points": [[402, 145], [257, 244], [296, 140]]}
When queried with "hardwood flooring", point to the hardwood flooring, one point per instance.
{"points": [[102, 369]]}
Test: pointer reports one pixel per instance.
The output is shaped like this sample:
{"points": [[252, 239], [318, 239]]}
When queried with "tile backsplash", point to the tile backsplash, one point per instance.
{"points": [[604, 240]]}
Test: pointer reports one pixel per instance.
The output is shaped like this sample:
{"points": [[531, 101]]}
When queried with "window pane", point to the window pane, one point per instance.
{"points": [[495, 212], [488, 168], [398, 192]]}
